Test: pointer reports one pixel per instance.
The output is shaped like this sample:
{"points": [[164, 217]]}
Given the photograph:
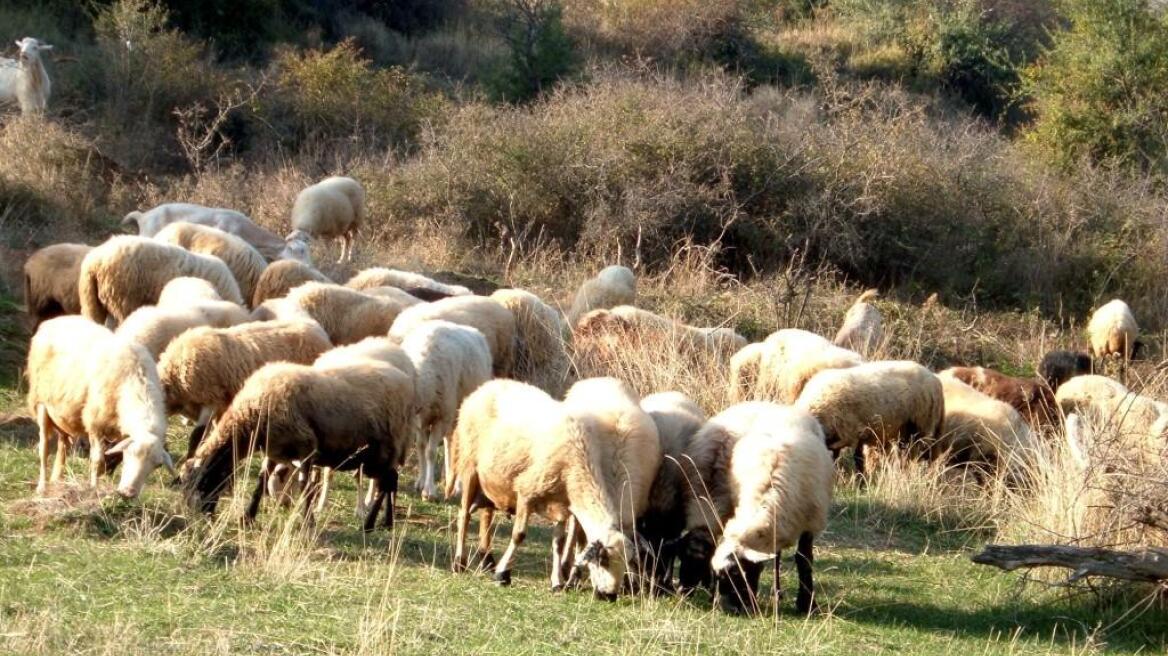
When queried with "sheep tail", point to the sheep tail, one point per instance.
{"points": [[91, 305], [131, 220], [868, 295]]}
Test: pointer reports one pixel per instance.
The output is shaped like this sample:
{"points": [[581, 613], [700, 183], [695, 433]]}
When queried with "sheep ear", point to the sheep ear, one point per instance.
{"points": [[19, 44], [756, 556], [119, 447], [45, 46]]}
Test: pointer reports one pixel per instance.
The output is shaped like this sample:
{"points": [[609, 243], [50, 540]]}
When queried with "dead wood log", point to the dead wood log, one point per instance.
{"points": [[1148, 565]]}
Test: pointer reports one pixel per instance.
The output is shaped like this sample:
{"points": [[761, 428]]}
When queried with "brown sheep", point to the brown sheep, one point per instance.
{"points": [[50, 281], [1031, 397]]}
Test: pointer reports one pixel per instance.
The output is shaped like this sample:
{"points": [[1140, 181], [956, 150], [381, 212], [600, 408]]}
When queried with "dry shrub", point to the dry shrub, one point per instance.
{"points": [[662, 29]]}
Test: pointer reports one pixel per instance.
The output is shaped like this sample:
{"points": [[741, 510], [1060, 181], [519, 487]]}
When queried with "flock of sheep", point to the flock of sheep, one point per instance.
{"points": [[207, 316]]}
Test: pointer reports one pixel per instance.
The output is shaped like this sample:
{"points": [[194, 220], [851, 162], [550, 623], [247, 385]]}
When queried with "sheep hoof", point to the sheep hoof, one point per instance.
{"points": [[606, 596], [485, 559], [503, 578], [805, 606], [557, 587], [458, 566]]}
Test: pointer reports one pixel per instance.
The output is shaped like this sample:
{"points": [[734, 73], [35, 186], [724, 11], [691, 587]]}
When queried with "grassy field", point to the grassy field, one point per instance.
{"points": [[83, 574]]}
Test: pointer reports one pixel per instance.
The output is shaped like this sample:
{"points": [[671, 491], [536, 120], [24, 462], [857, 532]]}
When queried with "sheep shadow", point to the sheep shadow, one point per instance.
{"points": [[864, 523]]}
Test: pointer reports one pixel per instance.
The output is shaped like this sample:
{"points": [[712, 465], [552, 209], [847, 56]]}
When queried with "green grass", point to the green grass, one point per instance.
{"points": [[135, 577]]}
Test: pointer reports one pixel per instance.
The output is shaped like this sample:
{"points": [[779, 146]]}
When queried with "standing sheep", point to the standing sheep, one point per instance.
{"points": [[494, 321], [155, 326], [25, 81], [333, 208], [347, 315], [281, 277], [1135, 423], [544, 338], [245, 262], [50, 281], [125, 273], [1113, 331], [614, 285], [791, 357], [270, 245], [767, 479], [1030, 396], [202, 369], [863, 327], [85, 381], [984, 431], [876, 402], [407, 280], [516, 449], [451, 361]]}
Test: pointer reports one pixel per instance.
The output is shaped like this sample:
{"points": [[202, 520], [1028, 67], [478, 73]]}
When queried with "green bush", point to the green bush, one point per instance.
{"points": [[1101, 90], [539, 50]]}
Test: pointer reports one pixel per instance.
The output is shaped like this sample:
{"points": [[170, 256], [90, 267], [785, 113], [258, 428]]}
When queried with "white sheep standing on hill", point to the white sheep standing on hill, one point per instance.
{"points": [[1113, 331], [614, 285], [269, 244], [84, 380], [450, 362], [333, 208], [25, 81], [863, 326]]}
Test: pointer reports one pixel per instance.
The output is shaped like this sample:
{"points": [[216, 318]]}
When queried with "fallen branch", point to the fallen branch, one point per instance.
{"points": [[1149, 565]]}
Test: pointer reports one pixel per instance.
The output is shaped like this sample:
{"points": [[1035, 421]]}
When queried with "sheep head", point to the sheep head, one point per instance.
{"points": [[296, 247], [140, 457], [607, 562], [30, 50]]}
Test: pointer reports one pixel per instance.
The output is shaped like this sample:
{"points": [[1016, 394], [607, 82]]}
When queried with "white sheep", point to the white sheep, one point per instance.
{"points": [[765, 485], [1135, 423], [25, 81], [612, 324], [791, 357], [982, 430], [517, 450], [282, 277], [450, 362], [347, 315], [544, 338], [614, 285], [405, 280], [183, 305], [333, 208], [85, 381], [244, 261], [876, 402], [494, 321], [863, 327], [1113, 331], [270, 245], [125, 273], [744, 369]]}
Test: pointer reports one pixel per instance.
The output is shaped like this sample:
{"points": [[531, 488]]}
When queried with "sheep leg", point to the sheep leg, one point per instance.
{"points": [[48, 440], [64, 443], [777, 591], [326, 479], [459, 564], [389, 482], [430, 460], [374, 508], [420, 448], [257, 494], [804, 558], [518, 535], [575, 540], [310, 478], [559, 544], [858, 458], [483, 552], [96, 461], [199, 431]]}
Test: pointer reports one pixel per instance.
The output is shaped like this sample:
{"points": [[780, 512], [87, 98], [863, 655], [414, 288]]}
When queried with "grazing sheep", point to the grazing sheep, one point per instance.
{"points": [[269, 244], [50, 281], [626, 319], [400, 296], [517, 450], [1057, 367], [614, 285], [876, 402], [863, 327], [1113, 331], [494, 321], [181, 291], [791, 357], [451, 361], [544, 337], [982, 430], [202, 369], [85, 381], [764, 475], [344, 416], [25, 81], [744, 370], [1135, 422], [407, 280], [282, 277], [125, 273], [347, 315], [333, 208], [245, 262], [677, 419], [1030, 396], [154, 327]]}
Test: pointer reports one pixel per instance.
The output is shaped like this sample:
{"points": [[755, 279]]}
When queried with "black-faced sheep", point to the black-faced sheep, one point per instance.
{"points": [[405, 280], [450, 362], [202, 369], [85, 381], [244, 261], [614, 285], [347, 315], [1057, 367], [762, 483], [488, 316], [863, 327], [544, 337], [876, 402], [333, 208], [281, 277], [1113, 331], [125, 273], [269, 244], [50, 281], [346, 416]]}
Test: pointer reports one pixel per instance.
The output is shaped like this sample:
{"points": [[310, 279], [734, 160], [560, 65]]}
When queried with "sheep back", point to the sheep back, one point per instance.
{"points": [[244, 261], [489, 317], [50, 281]]}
